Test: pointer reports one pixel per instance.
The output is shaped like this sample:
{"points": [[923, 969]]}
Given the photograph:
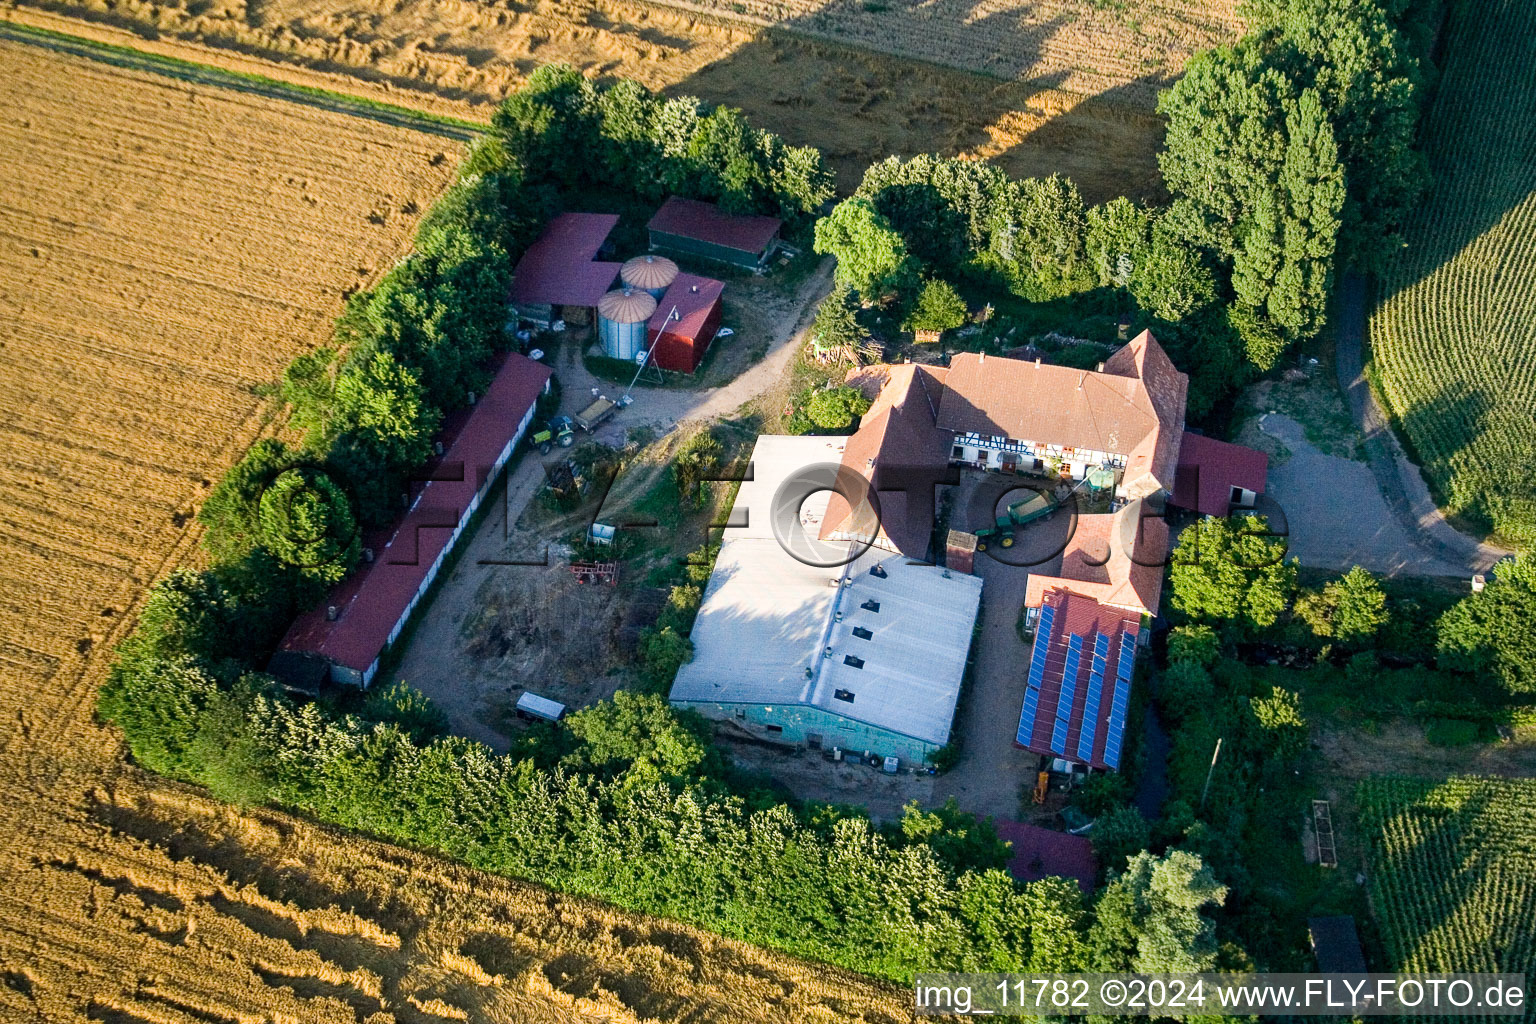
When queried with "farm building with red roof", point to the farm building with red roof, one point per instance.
{"points": [[686, 319], [703, 229], [366, 612], [559, 276], [1214, 477]]}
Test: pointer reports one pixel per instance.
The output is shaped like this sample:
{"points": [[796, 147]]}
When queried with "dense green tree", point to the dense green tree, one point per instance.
{"points": [[1119, 834], [942, 207], [961, 840], [729, 161], [1494, 632], [837, 324], [871, 256], [1351, 609], [309, 387], [550, 118], [305, 520], [1038, 227], [1282, 726], [640, 735], [1170, 279], [1149, 918], [1252, 163], [1195, 642], [382, 401], [1117, 238], [836, 408], [407, 708], [1355, 55], [695, 458], [662, 652], [230, 513], [1233, 570], [939, 307], [802, 181]]}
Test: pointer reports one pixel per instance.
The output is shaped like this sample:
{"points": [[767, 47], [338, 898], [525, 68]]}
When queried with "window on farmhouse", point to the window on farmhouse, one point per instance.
{"points": [[850, 660], [863, 633], [871, 605], [958, 452], [775, 730], [846, 695], [813, 740]]}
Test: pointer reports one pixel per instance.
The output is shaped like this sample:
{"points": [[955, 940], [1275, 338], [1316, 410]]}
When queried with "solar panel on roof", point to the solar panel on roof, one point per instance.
{"points": [[1127, 662], [1116, 734], [1069, 677], [1091, 702], [1027, 716], [1059, 737]]}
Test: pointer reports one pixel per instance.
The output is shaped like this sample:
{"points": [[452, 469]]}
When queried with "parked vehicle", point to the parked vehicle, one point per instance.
{"points": [[1020, 513], [594, 414], [558, 432]]}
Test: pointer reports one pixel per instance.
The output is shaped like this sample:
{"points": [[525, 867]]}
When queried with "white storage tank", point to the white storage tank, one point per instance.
{"points": [[649, 273], [621, 321]]}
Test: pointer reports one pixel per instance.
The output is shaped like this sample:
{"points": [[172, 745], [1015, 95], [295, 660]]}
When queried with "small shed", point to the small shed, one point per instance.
{"points": [[703, 229], [540, 707], [1336, 944], [685, 322]]}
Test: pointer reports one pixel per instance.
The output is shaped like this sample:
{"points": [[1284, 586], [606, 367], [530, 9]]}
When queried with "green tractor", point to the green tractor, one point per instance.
{"points": [[1020, 513], [559, 431]]}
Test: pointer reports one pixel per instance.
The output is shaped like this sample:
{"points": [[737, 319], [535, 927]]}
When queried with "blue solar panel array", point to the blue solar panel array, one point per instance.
{"points": [[1068, 694], [1091, 703], [1036, 672], [1121, 700]]}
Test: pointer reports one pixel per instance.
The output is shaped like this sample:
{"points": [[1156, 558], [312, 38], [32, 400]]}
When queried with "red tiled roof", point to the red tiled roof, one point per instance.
{"points": [[1041, 852], [1134, 407], [691, 298], [559, 270], [374, 597], [895, 446], [1076, 615], [1209, 469], [706, 222], [1116, 559]]}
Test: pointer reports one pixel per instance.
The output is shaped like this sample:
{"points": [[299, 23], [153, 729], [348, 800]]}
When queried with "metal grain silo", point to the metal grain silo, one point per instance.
{"points": [[621, 321], [649, 273]]}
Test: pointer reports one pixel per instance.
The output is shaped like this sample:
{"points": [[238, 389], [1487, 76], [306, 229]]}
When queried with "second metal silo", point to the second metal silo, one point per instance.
{"points": [[622, 315], [649, 273]]}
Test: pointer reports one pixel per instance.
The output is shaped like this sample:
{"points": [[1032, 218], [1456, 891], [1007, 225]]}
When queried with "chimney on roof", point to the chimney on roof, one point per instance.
{"points": [[332, 613], [1037, 362], [694, 289], [437, 447], [1099, 369], [368, 555]]}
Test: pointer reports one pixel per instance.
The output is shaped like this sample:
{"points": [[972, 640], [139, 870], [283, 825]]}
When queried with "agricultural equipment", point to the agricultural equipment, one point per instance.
{"points": [[1020, 513], [557, 432], [594, 414]]}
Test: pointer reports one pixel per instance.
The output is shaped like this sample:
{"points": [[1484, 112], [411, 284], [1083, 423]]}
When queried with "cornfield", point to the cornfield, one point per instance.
{"points": [[1453, 872], [1454, 335]]}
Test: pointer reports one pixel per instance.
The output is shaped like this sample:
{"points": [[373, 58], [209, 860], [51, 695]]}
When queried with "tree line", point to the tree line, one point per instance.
{"points": [[1285, 155]]}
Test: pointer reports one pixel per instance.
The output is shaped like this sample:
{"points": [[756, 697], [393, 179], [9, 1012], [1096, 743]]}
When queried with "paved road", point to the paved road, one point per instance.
{"points": [[1403, 488]]}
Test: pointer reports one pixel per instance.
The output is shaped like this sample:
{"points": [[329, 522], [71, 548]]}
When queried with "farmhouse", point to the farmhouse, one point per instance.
{"points": [[865, 656], [1009, 415], [366, 612], [686, 319], [703, 229], [559, 276]]}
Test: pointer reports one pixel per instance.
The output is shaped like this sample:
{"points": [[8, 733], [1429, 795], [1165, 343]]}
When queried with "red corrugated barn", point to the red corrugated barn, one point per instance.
{"points": [[374, 603], [685, 322]]}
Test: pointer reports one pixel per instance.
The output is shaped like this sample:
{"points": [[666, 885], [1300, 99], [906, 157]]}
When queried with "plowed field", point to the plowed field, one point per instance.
{"points": [[164, 249]]}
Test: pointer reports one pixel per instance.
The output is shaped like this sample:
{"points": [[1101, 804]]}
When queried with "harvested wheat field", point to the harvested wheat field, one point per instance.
{"points": [[1037, 86], [164, 249]]}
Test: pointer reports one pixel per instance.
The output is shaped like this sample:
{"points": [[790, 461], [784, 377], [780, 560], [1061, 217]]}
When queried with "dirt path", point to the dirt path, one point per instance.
{"points": [[474, 693], [1401, 484]]}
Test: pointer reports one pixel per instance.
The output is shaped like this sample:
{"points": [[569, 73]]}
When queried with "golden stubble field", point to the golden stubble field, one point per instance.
{"points": [[1040, 86], [164, 249]]}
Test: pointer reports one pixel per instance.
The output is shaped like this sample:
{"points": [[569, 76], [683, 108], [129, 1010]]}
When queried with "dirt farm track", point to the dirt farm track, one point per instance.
{"points": [[164, 248]]}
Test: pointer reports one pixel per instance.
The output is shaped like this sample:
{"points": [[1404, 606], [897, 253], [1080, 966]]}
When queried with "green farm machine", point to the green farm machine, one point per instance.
{"points": [[1020, 513]]}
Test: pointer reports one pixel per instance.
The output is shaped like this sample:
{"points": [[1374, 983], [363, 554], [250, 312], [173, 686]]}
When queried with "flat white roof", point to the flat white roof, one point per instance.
{"points": [[543, 707], [767, 617]]}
